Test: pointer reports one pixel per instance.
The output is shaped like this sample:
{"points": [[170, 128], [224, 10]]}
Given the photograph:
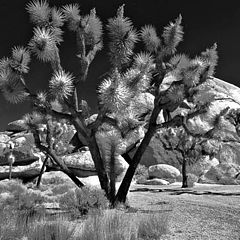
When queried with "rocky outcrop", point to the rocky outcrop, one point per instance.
{"points": [[163, 171], [154, 181], [225, 139]]}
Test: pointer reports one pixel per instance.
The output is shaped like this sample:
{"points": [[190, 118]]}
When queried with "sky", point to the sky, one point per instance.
{"points": [[204, 22]]}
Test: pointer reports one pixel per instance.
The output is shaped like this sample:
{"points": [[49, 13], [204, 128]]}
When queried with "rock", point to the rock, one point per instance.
{"points": [[163, 171], [121, 167], [4, 138], [228, 138], [16, 126], [221, 174], [80, 163], [55, 177], [202, 165], [27, 172], [154, 181]]}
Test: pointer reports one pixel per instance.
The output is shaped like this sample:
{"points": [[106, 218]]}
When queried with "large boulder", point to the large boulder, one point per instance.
{"points": [[226, 137], [25, 173], [222, 174], [163, 171]]}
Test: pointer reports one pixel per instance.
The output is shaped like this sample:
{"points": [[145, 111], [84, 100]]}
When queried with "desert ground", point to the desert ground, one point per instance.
{"points": [[206, 212]]}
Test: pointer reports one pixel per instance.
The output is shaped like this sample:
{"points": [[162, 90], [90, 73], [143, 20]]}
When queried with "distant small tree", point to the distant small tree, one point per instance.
{"points": [[188, 146], [172, 79]]}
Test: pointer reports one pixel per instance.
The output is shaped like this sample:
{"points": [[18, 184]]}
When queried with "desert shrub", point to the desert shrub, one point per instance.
{"points": [[59, 229], [61, 188], [84, 200], [10, 227], [111, 225], [116, 225], [27, 203], [141, 173], [191, 179], [152, 227], [55, 180]]}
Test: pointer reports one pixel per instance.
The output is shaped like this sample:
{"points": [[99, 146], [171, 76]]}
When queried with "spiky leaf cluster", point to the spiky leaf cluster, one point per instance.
{"points": [[61, 85], [20, 59], [173, 35], [57, 18], [176, 93], [210, 57], [114, 94], [179, 61], [122, 39], [192, 73], [150, 39], [144, 62], [33, 120], [93, 28], [138, 81], [72, 14], [42, 15], [39, 11], [44, 44], [13, 90], [11, 82]]}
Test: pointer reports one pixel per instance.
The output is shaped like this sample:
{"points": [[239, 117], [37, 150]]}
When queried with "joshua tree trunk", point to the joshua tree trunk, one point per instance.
{"points": [[64, 168], [184, 173], [98, 162], [112, 176], [42, 171], [125, 185], [10, 171]]}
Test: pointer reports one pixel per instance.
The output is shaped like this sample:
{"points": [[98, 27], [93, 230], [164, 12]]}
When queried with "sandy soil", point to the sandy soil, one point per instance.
{"points": [[207, 216]]}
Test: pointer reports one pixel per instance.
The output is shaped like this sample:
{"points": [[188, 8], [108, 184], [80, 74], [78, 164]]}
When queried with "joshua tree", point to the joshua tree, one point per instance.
{"points": [[188, 146], [157, 71]]}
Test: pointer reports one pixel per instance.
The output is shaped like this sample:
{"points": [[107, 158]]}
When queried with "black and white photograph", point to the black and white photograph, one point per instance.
{"points": [[119, 120]]}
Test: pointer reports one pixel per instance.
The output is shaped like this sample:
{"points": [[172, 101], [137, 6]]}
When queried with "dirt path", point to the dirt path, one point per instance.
{"points": [[207, 217]]}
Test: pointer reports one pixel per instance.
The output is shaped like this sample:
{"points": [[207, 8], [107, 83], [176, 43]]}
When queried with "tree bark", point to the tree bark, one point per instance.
{"points": [[125, 185], [64, 168], [41, 172], [184, 173], [112, 177], [99, 165]]}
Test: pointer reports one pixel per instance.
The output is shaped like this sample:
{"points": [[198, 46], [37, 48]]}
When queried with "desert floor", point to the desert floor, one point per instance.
{"points": [[202, 212]]}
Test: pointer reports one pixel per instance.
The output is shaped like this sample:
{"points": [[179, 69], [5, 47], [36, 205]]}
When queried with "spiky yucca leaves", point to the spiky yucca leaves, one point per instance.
{"points": [[113, 93], [210, 56], [42, 100], [12, 87], [144, 62], [179, 61], [57, 18], [39, 11], [136, 80], [191, 74], [176, 93], [20, 59], [149, 36], [43, 44], [61, 85], [122, 39], [93, 28], [72, 15], [5, 63], [173, 35], [33, 120]]}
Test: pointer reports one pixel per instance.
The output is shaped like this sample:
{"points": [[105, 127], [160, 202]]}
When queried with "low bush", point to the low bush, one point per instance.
{"points": [[191, 179], [141, 173], [152, 227], [59, 229], [84, 200]]}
